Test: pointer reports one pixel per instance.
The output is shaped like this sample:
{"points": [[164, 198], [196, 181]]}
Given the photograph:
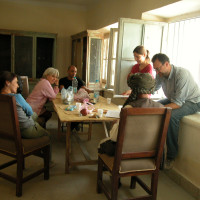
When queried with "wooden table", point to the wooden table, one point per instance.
{"points": [[74, 116]]}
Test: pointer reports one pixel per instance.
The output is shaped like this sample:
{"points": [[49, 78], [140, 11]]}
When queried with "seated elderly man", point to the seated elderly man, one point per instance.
{"points": [[142, 85]]}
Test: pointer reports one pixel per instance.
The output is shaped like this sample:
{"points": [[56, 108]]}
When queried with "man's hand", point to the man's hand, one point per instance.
{"points": [[87, 90], [172, 105]]}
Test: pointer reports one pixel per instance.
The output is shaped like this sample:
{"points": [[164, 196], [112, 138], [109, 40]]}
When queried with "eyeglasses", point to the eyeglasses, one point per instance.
{"points": [[158, 69]]}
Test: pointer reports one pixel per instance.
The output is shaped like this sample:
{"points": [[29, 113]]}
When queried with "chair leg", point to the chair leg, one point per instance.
{"points": [[154, 184], [46, 162], [114, 187], [133, 182], [99, 175], [23, 165], [19, 178]]}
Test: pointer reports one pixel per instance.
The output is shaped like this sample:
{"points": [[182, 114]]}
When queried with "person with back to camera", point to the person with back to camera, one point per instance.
{"points": [[42, 92], [182, 95], [67, 81], [142, 85], [143, 65]]}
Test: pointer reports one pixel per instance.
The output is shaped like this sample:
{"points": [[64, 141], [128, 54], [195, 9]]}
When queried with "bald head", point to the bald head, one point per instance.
{"points": [[72, 70]]}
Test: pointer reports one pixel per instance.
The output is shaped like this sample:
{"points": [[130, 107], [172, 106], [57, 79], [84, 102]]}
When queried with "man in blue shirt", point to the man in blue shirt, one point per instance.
{"points": [[182, 95]]}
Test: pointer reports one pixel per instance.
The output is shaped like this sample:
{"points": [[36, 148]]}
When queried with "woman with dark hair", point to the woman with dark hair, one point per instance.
{"points": [[28, 127], [143, 65]]}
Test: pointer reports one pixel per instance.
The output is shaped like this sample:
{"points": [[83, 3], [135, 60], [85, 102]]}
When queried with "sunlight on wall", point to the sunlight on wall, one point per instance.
{"points": [[184, 45]]}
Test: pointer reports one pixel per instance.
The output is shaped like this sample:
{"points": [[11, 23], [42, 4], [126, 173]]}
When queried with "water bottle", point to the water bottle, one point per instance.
{"points": [[96, 91], [75, 85], [69, 95], [63, 94]]}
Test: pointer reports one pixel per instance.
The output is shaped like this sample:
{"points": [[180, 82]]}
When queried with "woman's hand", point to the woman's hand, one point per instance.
{"points": [[57, 81], [128, 92]]}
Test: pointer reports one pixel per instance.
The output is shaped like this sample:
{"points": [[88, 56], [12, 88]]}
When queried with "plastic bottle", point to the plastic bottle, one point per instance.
{"points": [[75, 85], [63, 94], [70, 95], [96, 91]]}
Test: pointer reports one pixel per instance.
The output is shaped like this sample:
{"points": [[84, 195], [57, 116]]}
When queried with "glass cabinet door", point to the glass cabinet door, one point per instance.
{"points": [[95, 59]]}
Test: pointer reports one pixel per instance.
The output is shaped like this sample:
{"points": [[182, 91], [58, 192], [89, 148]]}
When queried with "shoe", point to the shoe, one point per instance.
{"points": [[77, 128], [169, 163], [75, 125]]}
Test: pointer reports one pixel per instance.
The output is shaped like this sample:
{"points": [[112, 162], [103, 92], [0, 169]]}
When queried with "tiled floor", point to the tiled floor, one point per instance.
{"points": [[81, 182]]}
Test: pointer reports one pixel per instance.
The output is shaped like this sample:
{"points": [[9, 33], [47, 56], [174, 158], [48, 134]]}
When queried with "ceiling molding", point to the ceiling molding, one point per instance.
{"points": [[81, 5]]}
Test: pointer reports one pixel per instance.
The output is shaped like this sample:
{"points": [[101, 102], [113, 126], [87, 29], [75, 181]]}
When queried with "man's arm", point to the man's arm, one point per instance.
{"points": [[86, 89], [158, 82], [61, 87], [172, 105]]}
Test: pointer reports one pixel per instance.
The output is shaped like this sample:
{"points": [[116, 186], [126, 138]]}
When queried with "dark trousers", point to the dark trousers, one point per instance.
{"points": [[43, 118]]}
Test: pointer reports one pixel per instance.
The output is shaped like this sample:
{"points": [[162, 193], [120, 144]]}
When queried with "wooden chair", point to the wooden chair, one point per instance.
{"points": [[25, 90], [12, 145], [140, 142]]}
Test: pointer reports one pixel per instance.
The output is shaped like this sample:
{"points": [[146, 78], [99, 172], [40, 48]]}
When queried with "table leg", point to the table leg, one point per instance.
{"points": [[67, 147], [90, 131], [59, 126]]}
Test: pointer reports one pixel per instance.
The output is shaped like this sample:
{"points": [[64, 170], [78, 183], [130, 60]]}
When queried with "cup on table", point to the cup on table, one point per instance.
{"points": [[95, 100], [108, 100], [100, 112], [120, 107], [78, 106]]}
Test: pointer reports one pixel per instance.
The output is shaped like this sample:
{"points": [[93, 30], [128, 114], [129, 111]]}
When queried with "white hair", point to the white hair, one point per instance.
{"points": [[50, 71]]}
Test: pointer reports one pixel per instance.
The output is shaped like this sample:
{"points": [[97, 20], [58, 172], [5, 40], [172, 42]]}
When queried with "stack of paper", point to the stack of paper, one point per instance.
{"points": [[113, 113]]}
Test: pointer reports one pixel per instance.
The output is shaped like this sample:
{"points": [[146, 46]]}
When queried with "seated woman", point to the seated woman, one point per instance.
{"points": [[142, 85], [42, 92], [143, 65], [28, 127]]}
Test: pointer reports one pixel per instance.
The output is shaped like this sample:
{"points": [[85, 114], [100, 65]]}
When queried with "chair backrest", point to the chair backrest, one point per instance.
{"points": [[142, 133], [10, 136], [25, 90]]}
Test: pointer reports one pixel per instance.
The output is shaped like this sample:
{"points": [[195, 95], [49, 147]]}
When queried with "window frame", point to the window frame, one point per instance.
{"points": [[111, 57], [34, 36]]}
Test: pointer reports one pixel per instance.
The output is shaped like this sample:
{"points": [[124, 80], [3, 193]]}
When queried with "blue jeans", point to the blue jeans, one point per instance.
{"points": [[187, 108]]}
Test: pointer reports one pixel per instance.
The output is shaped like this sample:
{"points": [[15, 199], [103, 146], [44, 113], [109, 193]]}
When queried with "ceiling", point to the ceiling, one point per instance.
{"points": [[75, 2], [178, 8], [171, 10]]}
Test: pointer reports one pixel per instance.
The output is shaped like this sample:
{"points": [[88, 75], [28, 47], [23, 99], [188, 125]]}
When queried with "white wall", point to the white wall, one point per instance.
{"points": [[66, 21], [39, 18], [109, 11]]}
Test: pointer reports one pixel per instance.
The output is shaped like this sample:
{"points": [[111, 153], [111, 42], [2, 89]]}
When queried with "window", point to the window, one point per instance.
{"points": [[27, 53], [183, 45], [105, 59], [5, 52]]}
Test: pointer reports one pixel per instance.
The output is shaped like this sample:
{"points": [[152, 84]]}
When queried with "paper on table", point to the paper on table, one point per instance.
{"points": [[120, 96], [113, 113]]}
